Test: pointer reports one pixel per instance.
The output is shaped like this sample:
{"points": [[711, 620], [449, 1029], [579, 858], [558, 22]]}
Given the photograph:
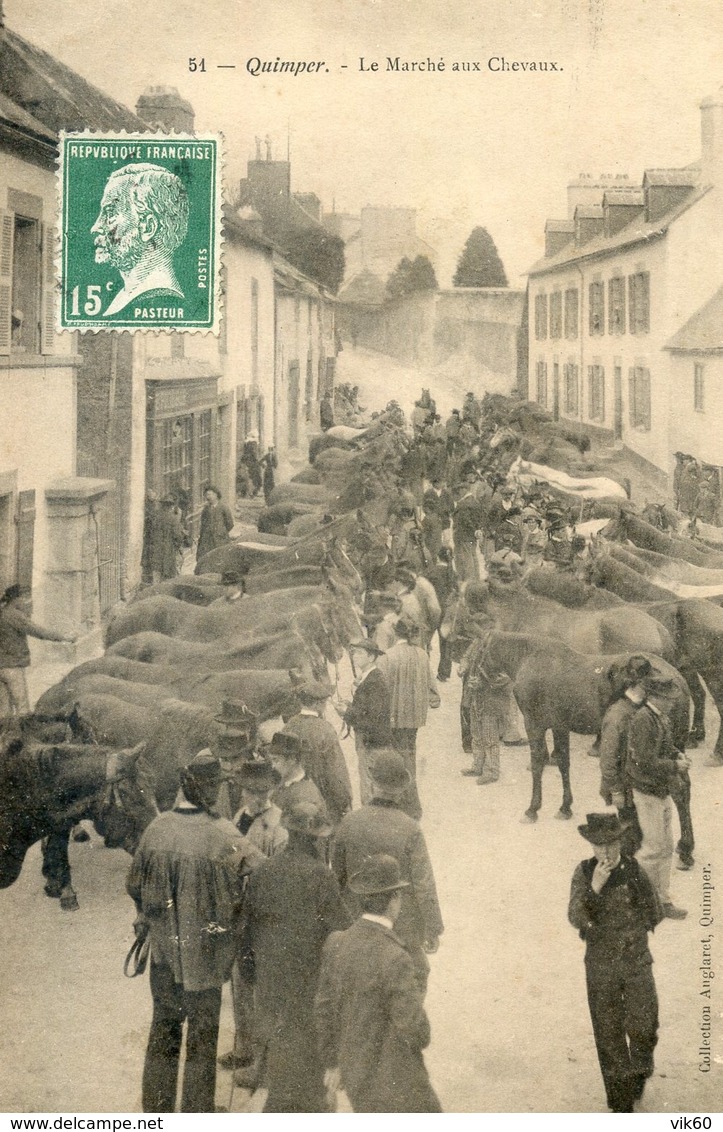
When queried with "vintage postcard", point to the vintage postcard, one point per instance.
{"points": [[361, 520]]}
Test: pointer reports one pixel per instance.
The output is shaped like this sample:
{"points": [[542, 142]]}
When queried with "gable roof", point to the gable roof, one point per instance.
{"points": [[638, 231], [703, 330]]}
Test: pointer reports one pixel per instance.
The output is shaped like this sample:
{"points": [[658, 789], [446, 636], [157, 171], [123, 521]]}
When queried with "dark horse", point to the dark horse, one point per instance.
{"points": [[47, 784], [561, 690]]}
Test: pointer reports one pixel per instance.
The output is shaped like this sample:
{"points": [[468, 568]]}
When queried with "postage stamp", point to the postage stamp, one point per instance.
{"points": [[140, 232]]}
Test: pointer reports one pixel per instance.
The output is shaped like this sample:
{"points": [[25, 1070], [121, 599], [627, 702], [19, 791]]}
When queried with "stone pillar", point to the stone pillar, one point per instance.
{"points": [[72, 599]]}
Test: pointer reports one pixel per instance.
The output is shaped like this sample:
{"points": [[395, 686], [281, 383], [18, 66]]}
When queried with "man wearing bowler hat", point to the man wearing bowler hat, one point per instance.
{"points": [[614, 905], [368, 714], [369, 1010], [323, 758], [286, 754], [382, 827], [186, 881], [292, 904], [259, 821]]}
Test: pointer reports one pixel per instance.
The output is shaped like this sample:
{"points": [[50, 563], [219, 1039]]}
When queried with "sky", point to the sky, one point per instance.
{"points": [[465, 148]]}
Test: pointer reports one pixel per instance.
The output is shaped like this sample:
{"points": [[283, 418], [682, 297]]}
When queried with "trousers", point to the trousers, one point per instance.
{"points": [[365, 756], [172, 1006], [16, 690], [242, 996], [624, 1012], [404, 740], [655, 816]]}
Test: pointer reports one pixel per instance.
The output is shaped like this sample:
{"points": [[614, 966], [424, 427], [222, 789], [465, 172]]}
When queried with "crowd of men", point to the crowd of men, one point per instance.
{"points": [[323, 915]]}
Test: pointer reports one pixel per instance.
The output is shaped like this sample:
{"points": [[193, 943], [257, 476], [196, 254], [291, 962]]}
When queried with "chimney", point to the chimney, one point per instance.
{"points": [[711, 128], [162, 108]]}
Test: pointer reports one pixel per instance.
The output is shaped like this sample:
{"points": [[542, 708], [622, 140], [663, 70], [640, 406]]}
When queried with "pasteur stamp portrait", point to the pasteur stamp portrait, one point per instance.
{"points": [[140, 232]]}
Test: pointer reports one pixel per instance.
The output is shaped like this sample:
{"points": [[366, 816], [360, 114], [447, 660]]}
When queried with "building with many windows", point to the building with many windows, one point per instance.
{"points": [[621, 275]]}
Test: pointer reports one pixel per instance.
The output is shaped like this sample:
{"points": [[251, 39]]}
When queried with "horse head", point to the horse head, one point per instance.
{"points": [[128, 803]]}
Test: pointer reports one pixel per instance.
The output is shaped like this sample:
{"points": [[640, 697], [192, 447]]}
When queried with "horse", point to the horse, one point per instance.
{"points": [[47, 787], [562, 690]]}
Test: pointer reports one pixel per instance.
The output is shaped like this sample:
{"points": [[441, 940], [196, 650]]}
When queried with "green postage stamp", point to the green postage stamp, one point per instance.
{"points": [[140, 232]]}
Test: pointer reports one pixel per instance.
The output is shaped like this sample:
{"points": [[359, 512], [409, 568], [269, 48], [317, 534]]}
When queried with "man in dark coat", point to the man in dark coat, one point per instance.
{"points": [[368, 714], [370, 1017], [286, 754], [614, 786], [186, 880], [323, 758], [166, 540], [292, 904], [469, 517], [382, 827], [614, 906], [438, 506], [216, 523]]}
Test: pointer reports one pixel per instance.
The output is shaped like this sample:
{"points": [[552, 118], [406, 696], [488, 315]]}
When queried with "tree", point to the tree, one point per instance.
{"points": [[410, 276], [480, 264], [317, 254]]}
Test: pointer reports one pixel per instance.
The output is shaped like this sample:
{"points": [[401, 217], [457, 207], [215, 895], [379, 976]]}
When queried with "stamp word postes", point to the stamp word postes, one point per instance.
{"points": [[140, 232]]}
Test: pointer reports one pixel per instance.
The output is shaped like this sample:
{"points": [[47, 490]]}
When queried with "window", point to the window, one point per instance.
{"points": [[309, 390], [540, 317], [699, 388], [639, 397], [27, 280], [639, 302], [597, 308], [571, 375], [556, 314], [596, 393], [616, 305], [571, 309], [177, 456], [542, 383]]}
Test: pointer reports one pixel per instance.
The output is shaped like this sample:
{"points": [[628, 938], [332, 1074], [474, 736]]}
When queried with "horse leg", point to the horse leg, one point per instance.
{"points": [[715, 687], [680, 793], [56, 869], [538, 758], [562, 747], [697, 693]]}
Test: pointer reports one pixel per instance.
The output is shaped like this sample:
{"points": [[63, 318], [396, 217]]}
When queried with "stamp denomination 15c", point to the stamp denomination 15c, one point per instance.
{"points": [[140, 232]]}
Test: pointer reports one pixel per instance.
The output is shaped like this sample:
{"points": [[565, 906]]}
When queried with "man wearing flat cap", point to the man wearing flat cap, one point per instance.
{"points": [[186, 880], [323, 758], [292, 904], [369, 1010], [368, 714], [382, 827], [613, 905]]}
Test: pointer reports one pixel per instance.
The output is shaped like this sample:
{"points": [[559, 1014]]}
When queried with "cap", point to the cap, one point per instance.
{"points": [[258, 776], [638, 668], [306, 817], [233, 577], [367, 645], [204, 766], [313, 690], [379, 873], [286, 746]]}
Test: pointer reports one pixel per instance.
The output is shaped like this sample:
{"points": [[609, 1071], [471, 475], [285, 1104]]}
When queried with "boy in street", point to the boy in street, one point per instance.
{"points": [[614, 905]]}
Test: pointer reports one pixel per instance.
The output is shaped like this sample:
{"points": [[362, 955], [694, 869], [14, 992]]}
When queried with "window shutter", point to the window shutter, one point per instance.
{"points": [[25, 521], [646, 397], [7, 233], [631, 395], [47, 317]]}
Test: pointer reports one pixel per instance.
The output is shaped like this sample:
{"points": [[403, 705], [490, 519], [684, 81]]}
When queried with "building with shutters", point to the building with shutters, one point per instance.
{"points": [[51, 518], [621, 274]]}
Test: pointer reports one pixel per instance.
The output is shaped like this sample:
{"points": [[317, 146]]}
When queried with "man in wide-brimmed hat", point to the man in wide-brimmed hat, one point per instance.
{"points": [[235, 742], [186, 880], [292, 904], [322, 756], [383, 827], [614, 905], [369, 1009]]}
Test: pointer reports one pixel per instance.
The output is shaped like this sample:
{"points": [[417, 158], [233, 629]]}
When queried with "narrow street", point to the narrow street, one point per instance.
{"points": [[506, 1000]]}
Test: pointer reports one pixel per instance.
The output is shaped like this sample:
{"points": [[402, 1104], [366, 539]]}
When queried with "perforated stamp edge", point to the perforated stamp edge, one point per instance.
{"points": [[123, 137]]}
